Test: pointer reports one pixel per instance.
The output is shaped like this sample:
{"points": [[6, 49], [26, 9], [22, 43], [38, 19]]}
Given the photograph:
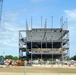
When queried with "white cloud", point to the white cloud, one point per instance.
{"points": [[10, 16], [71, 14], [9, 26], [9, 30], [9, 42]]}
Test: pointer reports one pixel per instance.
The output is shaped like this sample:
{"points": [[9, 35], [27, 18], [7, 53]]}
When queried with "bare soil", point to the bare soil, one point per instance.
{"points": [[21, 69]]}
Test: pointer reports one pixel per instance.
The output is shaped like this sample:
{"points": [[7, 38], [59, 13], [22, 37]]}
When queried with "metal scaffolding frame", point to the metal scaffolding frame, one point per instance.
{"points": [[31, 39], [43, 49], [52, 36]]}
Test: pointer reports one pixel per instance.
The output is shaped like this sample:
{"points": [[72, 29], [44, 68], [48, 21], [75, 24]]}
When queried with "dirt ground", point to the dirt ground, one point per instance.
{"points": [[21, 70], [36, 74]]}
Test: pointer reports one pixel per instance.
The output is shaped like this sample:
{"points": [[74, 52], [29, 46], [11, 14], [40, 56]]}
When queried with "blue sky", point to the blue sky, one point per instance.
{"points": [[15, 12]]}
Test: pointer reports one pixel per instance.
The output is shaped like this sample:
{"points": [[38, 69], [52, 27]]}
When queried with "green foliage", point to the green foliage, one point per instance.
{"points": [[15, 58], [1, 56], [73, 58], [9, 57], [49, 59]]}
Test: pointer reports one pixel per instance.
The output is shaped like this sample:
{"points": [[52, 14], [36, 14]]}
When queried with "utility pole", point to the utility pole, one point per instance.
{"points": [[1, 4]]}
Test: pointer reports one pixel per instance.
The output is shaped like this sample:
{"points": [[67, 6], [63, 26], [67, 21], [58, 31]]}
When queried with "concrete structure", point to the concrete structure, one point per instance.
{"points": [[44, 43]]}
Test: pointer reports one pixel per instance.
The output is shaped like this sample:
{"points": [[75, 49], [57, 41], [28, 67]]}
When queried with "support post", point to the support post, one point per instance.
{"points": [[31, 45], [62, 57], [68, 54], [41, 21], [41, 47], [31, 22], [19, 44], [46, 43], [31, 38], [52, 36]]}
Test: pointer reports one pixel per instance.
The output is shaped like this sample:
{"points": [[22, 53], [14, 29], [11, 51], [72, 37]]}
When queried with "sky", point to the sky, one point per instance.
{"points": [[15, 13]]}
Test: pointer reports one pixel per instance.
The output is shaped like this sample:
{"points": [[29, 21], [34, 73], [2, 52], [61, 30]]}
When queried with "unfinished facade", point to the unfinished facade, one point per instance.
{"points": [[44, 43]]}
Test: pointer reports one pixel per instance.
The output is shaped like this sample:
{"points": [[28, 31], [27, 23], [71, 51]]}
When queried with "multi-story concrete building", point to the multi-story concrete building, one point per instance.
{"points": [[44, 43]]}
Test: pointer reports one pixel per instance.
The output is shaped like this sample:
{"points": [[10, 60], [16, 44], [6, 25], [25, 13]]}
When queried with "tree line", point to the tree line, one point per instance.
{"points": [[9, 57], [73, 58], [16, 58]]}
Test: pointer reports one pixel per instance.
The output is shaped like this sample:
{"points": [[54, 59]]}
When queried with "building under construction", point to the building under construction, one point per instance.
{"points": [[44, 43]]}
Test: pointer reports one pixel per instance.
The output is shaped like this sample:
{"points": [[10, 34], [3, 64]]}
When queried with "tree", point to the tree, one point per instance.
{"points": [[15, 58], [8, 57], [1, 56], [73, 58]]}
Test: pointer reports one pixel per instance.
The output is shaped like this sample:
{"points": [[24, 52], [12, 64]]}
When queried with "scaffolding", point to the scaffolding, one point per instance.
{"points": [[45, 43]]}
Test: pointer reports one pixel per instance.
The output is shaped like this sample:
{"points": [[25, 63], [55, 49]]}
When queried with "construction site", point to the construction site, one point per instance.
{"points": [[44, 43], [43, 48]]}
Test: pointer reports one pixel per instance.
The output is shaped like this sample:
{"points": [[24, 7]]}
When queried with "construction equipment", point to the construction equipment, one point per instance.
{"points": [[20, 62]]}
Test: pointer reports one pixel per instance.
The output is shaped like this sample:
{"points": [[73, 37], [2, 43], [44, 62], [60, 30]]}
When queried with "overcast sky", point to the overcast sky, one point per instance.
{"points": [[15, 12]]}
